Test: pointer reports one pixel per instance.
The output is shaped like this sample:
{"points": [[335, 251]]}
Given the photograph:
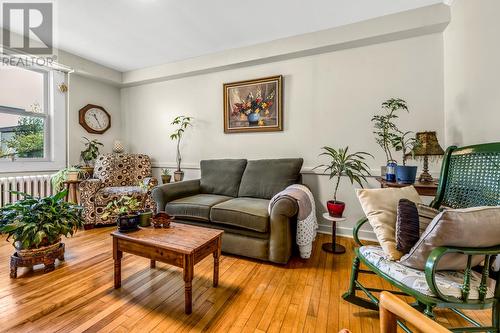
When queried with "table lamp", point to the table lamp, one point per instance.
{"points": [[429, 146]]}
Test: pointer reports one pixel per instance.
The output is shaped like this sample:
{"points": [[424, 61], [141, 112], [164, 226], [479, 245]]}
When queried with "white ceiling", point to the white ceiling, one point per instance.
{"points": [[132, 34]]}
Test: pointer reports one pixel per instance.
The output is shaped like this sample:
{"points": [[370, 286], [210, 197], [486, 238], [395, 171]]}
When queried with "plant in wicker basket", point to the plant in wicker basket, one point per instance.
{"points": [[36, 226]]}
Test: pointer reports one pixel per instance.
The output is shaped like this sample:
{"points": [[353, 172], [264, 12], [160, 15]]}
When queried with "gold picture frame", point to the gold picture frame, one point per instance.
{"points": [[254, 105]]}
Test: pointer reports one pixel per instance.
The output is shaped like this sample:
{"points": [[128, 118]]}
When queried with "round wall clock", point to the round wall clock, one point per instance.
{"points": [[94, 119]]}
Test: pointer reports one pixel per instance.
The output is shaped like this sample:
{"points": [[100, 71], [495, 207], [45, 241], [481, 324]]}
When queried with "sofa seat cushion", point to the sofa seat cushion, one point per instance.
{"points": [[194, 207], [108, 194], [448, 282], [246, 213]]}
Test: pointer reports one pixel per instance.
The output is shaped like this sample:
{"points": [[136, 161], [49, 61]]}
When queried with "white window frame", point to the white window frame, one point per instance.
{"points": [[54, 107]]}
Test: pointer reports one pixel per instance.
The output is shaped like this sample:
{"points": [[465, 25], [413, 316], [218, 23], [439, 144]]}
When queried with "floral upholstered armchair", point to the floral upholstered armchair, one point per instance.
{"points": [[116, 175]]}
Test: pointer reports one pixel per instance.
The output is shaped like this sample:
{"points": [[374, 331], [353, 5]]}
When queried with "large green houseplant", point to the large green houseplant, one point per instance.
{"points": [[36, 224], [181, 124], [344, 164]]}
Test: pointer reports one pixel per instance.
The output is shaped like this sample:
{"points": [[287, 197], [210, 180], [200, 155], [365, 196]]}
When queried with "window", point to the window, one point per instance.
{"points": [[32, 120], [23, 114]]}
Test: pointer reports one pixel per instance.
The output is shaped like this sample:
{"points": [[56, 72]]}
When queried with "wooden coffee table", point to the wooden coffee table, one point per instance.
{"points": [[180, 245]]}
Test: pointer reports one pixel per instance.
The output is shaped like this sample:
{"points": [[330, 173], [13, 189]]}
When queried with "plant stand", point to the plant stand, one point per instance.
{"points": [[333, 247], [47, 257]]}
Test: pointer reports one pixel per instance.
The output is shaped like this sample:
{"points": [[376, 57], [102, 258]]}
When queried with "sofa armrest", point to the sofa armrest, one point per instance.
{"points": [[168, 192], [283, 221]]}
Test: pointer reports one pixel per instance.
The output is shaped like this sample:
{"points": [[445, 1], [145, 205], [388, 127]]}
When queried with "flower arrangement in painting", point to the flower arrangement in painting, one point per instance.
{"points": [[254, 108]]}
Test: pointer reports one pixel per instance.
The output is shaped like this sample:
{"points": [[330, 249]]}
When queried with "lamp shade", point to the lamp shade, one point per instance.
{"points": [[428, 146]]}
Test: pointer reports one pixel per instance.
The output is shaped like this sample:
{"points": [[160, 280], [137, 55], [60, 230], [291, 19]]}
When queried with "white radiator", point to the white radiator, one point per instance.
{"points": [[37, 186]]}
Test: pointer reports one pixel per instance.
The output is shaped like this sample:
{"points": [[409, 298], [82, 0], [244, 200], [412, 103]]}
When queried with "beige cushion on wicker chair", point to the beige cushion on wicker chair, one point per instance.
{"points": [[380, 207], [469, 227]]}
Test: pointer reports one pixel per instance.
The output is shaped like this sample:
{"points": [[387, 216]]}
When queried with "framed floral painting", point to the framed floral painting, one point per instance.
{"points": [[253, 105]]}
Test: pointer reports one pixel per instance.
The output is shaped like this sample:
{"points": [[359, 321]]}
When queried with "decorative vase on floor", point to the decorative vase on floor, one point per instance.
{"points": [[178, 175], [253, 119], [406, 174]]}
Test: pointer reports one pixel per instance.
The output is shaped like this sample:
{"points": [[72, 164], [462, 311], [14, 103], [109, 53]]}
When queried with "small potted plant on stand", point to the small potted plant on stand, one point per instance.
{"points": [[88, 156], [343, 164], [181, 123], [166, 176], [385, 131], [36, 226], [125, 211], [71, 174], [405, 174]]}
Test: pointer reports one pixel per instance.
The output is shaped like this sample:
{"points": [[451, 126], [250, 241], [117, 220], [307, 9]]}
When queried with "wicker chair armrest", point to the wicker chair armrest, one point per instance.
{"points": [[356, 230]]}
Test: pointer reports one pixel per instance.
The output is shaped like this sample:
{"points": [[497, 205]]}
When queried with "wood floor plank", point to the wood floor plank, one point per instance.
{"points": [[253, 296]]}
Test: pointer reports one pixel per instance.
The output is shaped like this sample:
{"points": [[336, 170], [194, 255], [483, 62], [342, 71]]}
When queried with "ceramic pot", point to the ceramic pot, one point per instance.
{"points": [[88, 172], [166, 179], [72, 176], [406, 174], [127, 222], [335, 208], [253, 119], [178, 176], [390, 173], [145, 218]]}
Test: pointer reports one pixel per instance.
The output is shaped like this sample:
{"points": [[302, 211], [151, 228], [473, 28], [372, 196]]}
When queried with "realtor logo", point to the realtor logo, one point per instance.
{"points": [[33, 21]]}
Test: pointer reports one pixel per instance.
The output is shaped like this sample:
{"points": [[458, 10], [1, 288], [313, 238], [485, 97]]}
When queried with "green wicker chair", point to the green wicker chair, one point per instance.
{"points": [[470, 176]]}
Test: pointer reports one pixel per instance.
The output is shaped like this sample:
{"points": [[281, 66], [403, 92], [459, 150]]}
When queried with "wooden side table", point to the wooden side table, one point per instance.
{"points": [[427, 189], [333, 247], [72, 187]]}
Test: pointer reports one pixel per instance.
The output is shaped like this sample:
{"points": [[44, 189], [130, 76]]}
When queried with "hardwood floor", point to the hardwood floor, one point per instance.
{"points": [[252, 296]]}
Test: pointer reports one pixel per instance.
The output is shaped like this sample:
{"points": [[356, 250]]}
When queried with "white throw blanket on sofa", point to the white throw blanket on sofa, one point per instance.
{"points": [[307, 224]]}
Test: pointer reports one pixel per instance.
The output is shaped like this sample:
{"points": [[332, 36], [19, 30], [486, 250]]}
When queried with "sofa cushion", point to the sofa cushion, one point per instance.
{"points": [[247, 213], [221, 176], [264, 178], [108, 194], [194, 207]]}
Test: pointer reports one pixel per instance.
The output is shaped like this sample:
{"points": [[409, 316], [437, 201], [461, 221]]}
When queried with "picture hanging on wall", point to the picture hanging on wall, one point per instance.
{"points": [[253, 105]]}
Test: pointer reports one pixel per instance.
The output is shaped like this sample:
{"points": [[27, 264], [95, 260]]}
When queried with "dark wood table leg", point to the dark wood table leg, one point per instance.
{"points": [[117, 257], [188, 279], [152, 264], [333, 247], [216, 263]]}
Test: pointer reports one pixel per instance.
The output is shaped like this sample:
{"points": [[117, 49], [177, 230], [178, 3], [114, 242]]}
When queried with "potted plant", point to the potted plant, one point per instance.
{"points": [[181, 123], [343, 164], [67, 174], [385, 129], [36, 226], [405, 143], [166, 176], [88, 155], [145, 214], [125, 210]]}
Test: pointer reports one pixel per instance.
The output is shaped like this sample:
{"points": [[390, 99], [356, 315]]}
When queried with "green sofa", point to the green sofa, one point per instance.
{"points": [[233, 195]]}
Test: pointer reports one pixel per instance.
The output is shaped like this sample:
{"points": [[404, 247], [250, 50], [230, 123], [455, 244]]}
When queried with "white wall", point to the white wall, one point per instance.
{"points": [[328, 100], [472, 72], [83, 91]]}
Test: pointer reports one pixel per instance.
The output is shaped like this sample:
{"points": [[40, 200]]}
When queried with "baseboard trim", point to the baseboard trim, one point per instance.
{"points": [[347, 232]]}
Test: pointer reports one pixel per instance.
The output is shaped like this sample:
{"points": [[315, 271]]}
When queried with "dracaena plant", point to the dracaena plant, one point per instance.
{"points": [[33, 222], [181, 124], [342, 163], [405, 143]]}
